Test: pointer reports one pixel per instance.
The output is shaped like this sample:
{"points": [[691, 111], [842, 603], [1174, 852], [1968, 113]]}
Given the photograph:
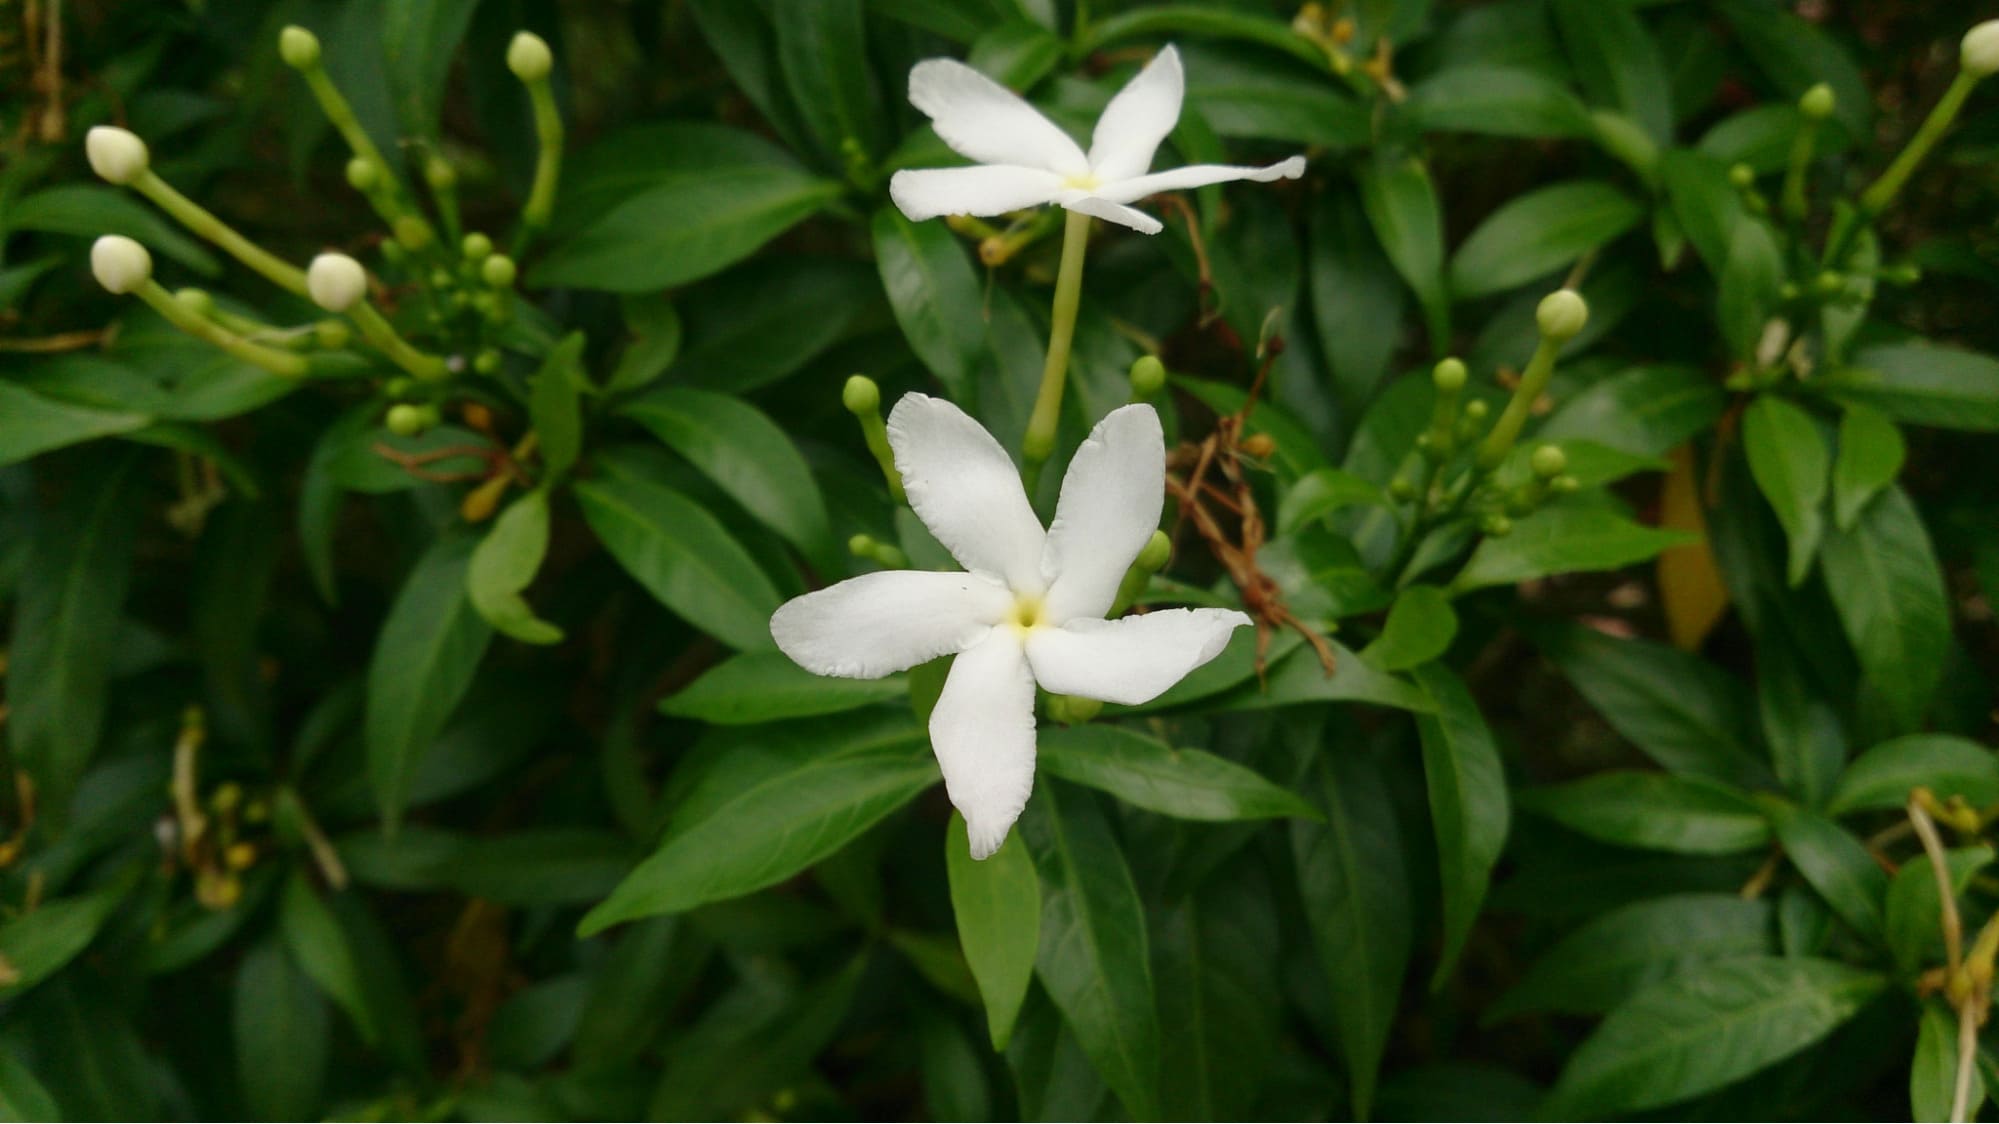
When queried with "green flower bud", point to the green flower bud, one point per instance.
{"points": [[1562, 314], [499, 271], [476, 247], [405, 419], [1401, 489], [1497, 526], [1450, 375], [1476, 409], [1564, 485], [298, 47], [487, 362], [398, 387], [1548, 461], [1742, 176], [196, 301], [394, 254], [332, 334], [440, 279], [336, 282], [1979, 55], [1830, 283], [412, 232], [1152, 558], [1148, 376], [529, 58], [1818, 102], [861, 395], [363, 174], [438, 173]]}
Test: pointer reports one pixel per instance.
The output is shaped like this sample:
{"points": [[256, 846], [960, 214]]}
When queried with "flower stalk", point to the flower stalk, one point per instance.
{"points": [[863, 399], [1040, 442], [300, 50], [181, 316], [531, 61], [1560, 318]]}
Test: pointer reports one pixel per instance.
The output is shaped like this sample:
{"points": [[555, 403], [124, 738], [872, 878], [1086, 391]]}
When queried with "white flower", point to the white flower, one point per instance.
{"points": [[116, 155], [1028, 609], [120, 264], [1979, 56], [336, 282], [1025, 160]]}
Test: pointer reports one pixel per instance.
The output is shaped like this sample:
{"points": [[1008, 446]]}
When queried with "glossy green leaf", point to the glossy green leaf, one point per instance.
{"points": [[1883, 776], [1921, 384], [1645, 411], [1791, 465], [1538, 233], [1698, 1031], [1420, 627], [767, 686], [823, 50], [1188, 784], [1752, 281], [1913, 924], [318, 943], [1561, 540], [1888, 590], [503, 564], [935, 294], [1356, 894], [555, 406], [745, 453], [762, 321], [1094, 959], [1321, 492], [1705, 204], [1201, 21], [31, 424], [1469, 805], [1354, 291], [1215, 957], [1618, 63], [1836, 864], [1871, 453], [1610, 958], [679, 552], [88, 210], [282, 1035], [1401, 203], [424, 660], [997, 904], [1498, 101], [37, 944], [1933, 1073], [22, 1095], [1688, 815], [1251, 93], [419, 38]]}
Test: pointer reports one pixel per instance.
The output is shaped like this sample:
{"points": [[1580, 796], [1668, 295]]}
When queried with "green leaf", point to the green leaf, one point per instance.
{"points": [[763, 823], [1018, 54], [1617, 61], [22, 1096], [1354, 291], [89, 210], [555, 406], [1882, 778], [1914, 913], [315, 938], [742, 38], [1797, 54], [681, 554], [36, 944], [1791, 465], [1093, 958], [1401, 203], [1835, 863], [1356, 893], [420, 37], [1216, 956], [424, 660], [282, 1037], [1684, 713], [505, 561], [71, 599], [1245, 93], [935, 295], [1871, 453], [1921, 384], [1688, 815], [1321, 492], [631, 993], [1562, 540], [1704, 202], [1420, 627], [1496, 100], [1645, 411], [657, 333], [1706, 1028], [745, 453], [822, 46], [1889, 592], [31, 424], [1933, 1073], [1751, 285], [1604, 962], [1199, 21], [684, 229], [1187, 784], [997, 904], [1468, 805], [1538, 233], [759, 687], [762, 322]]}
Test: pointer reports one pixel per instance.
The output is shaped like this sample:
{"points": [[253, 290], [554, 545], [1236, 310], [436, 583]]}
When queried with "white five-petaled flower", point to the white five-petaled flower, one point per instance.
{"points": [[1026, 160], [1029, 607]]}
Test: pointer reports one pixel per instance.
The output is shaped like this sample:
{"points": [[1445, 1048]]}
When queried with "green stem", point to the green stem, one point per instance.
{"points": [[1803, 146], [548, 164], [379, 332], [387, 198], [197, 219], [875, 433], [1533, 382], [202, 328], [1877, 197], [1040, 442]]}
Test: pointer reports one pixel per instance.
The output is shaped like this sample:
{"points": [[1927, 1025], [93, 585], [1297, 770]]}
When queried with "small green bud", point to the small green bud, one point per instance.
{"points": [[394, 254], [405, 419], [1426, 441], [413, 233], [1742, 176], [1497, 526], [1818, 102], [398, 387], [1072, 710], [1903, 273], [438, 173], [1564, 485], [441, 279], [1450, 375], [1476, 409], [499, 271], [487, 362], [529, 58], [1830, 283], [488, 305], [861, 395], [1152, 558], [1789, 291], [1401, 489], [476, 247], [1979, 54], [298, 47], [1148, 376], [1562, 314], [363, 174], [1548, 461], [196, 301], [332, 334]]}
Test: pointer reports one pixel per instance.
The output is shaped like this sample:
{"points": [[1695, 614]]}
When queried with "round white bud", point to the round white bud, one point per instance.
{"points": [[121, 265], [116, 155], [528, 57], [1979, 55], [336, 282], [1562, 314]]}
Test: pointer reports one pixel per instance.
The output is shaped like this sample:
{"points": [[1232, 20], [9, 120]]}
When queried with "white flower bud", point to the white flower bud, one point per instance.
{"points": [[528, 57], [336, 282], [121, 265], [1979, 55], [116, 155], [298, 47], [1562, 314]]}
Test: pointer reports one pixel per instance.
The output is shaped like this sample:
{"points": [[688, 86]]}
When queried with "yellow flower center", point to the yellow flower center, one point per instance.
{"points": [[1026, 613], [1087, 181]]}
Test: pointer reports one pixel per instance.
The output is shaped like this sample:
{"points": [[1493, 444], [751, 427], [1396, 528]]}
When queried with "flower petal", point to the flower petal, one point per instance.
{"points": [[1111, 498], [1138, 118], [987, 122], [879, 624], [983, 733], [965, 489], [1198, 175], [983, 189], [1111, 212], [1130, 660]]}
